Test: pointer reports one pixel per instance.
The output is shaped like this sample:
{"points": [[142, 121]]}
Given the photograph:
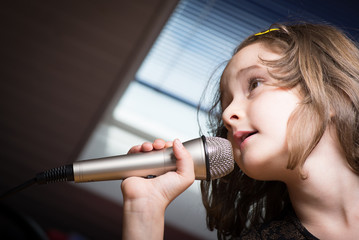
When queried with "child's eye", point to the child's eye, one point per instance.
{"points": [[254, 83]]}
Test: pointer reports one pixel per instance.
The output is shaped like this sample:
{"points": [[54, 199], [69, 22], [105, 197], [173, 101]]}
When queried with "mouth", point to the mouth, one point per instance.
{"points": [[241, 136]]}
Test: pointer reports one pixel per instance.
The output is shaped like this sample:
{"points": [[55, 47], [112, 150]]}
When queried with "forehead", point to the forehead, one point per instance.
{"points": [[250, 56], [245, 62], [247, 59]]}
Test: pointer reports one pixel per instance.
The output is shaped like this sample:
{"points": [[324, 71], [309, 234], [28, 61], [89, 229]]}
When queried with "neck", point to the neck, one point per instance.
{"points": [[330, 193]]}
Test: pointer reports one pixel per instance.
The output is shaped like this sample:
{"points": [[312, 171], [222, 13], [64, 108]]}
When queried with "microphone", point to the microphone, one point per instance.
{"points": [[212, 157]]}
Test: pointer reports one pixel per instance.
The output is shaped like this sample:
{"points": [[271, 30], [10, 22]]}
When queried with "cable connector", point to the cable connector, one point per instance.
{"points": [[59, 174]]}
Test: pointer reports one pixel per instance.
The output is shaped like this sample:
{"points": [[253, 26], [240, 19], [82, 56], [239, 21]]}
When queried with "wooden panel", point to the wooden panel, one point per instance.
{"points": [[61, 62]]}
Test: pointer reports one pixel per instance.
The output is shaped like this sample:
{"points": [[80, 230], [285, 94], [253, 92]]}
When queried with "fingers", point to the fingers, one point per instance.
{"points": [[158, 144], [146, 147], [184, 160], [135, 149], [168, 144]]}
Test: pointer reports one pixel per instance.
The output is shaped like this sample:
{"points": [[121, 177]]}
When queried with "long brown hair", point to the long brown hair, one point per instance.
{"points": [[324, 63]]}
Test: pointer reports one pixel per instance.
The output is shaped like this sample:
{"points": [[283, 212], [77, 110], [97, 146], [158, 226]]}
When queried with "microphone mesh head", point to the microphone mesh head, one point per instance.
{"points": [[220, 154]]}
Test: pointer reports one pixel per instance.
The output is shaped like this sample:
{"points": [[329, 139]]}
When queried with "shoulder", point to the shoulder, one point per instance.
{"points": [[287, 228]]}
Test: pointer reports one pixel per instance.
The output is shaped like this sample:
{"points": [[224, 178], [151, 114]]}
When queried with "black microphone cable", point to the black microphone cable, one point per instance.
{"points": [[59, 174], [16, 189]]}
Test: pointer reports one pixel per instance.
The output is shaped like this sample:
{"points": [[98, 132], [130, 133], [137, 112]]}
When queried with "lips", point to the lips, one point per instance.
{"points": [[241, 136]]}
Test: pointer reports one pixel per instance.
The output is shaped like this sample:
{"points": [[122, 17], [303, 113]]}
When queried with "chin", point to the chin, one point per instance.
{"points": [[259, 171]]}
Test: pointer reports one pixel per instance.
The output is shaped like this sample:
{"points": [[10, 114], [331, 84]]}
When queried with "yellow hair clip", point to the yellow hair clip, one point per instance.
{"points": [[269, 30]]}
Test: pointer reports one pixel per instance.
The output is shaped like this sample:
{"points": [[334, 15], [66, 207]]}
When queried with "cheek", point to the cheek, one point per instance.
{"points": [[274, 106], [270, 113]]}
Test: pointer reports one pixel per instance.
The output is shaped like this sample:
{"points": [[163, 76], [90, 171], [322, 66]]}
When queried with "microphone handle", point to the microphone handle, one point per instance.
{"points": [[124, 166], [119, 167], [153, 163]]}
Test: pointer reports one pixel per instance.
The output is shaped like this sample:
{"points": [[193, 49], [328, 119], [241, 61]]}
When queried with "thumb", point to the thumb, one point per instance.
{"points": [[184, 163], [172, 183]]}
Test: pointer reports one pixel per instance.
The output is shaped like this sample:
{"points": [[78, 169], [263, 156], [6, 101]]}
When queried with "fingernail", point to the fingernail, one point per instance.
{"points": [[178, 143]]}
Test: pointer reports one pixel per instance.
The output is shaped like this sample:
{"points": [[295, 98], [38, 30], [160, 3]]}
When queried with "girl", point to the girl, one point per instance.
{"points": [[288, 102]]}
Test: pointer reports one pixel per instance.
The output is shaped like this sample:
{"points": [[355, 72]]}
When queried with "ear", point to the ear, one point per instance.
{"points": [[333, 109], [331, 112]]}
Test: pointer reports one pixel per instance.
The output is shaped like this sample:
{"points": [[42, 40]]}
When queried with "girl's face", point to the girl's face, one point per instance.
{"points": [[256, 113]]}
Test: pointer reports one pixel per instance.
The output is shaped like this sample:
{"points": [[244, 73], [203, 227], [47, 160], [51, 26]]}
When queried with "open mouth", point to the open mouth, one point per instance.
{"points": [[241, 136], [247, 135]]}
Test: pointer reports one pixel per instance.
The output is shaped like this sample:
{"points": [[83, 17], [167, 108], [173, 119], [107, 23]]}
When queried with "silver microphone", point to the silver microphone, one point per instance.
{"points": [[212, 157]]}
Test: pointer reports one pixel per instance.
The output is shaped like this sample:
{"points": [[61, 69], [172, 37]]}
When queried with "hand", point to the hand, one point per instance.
{"points": [[166, 187], [145, 200]]}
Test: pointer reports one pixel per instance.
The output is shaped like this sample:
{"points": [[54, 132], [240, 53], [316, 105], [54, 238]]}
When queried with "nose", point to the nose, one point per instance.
{"points": [[233, 115]]}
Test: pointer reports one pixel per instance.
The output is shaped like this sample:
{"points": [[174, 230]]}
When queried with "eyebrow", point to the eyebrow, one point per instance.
{"points": [[247, 69], [240, 72]]}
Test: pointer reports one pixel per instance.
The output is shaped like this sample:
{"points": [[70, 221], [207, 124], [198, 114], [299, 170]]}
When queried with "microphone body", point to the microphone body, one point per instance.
{"points": [[212, 158], [153, 163]]}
